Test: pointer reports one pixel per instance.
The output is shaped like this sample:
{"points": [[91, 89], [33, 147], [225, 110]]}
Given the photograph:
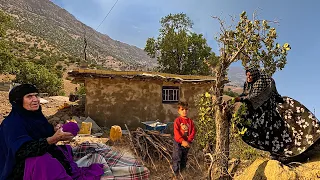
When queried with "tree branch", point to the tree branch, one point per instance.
{"points": [[231, 60], [221, 23]]}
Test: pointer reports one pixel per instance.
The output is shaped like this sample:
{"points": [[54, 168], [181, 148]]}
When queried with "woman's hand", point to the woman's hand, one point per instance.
{"points": [[237, 99], [57, 127], [59, 136]]}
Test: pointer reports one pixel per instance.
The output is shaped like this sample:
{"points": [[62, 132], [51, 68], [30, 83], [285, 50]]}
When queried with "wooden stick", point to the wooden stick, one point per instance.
{"points": [[131, 142]]}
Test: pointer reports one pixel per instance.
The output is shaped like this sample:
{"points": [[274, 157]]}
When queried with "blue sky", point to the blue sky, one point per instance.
{"points": [[133, 21]]}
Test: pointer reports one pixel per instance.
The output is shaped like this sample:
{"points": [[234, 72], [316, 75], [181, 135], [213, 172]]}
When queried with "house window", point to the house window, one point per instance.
{"points": [[170, 94]]}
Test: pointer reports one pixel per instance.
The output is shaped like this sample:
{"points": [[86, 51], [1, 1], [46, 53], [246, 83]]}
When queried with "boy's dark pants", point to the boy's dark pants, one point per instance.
{"points": [[179, 157]]}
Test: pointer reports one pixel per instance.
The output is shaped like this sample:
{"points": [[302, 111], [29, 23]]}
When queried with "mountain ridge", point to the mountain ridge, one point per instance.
{"points": [[60, 28]]}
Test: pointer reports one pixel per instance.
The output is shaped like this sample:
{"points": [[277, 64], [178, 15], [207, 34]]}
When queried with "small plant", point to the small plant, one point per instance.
{"points": [[230, 93], [81, 90], [40, 76], [205, 124], [59, 66], [240, 150], [62, 93], [238, 120]]}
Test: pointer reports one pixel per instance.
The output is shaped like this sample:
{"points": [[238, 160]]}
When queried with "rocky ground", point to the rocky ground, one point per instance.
{"points": [[5, 106], [265, 169]]}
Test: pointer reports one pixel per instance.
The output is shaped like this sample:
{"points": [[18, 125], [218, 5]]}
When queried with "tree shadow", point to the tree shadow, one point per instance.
{"points": [[259, 174]]}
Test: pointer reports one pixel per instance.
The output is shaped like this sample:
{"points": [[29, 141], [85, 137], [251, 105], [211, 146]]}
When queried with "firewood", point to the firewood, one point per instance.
{"points": [[151, 146]]}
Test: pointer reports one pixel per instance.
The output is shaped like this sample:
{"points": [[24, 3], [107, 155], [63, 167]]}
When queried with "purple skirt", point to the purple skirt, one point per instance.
{"points": [[46, 167]]}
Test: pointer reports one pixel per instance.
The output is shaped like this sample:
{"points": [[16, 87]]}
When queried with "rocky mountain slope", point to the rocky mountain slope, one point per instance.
{"points": [[237, 76], [56, 29]]}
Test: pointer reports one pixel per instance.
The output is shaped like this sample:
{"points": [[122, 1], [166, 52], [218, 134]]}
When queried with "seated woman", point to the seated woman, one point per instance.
{"points": [[27, 142], [279, 125]]}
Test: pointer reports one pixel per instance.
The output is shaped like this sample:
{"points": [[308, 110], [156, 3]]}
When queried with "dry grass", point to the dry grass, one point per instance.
{"points": [[163, 172], [162, 169]]}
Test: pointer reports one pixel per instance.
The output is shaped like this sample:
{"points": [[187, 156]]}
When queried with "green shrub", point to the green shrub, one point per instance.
{"points": [[48, 61], [36, 74], [8, 63], [240, 150], [62, 93], [59, 66], [81, 90], [205, 123], [231, 93]]}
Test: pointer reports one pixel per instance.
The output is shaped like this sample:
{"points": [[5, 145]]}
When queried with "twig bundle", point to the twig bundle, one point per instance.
{"points": [[152, 146]]}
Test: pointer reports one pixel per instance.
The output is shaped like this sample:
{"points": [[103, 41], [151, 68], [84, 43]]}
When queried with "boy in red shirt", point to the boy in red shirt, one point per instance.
{"points": [[184, 132]]}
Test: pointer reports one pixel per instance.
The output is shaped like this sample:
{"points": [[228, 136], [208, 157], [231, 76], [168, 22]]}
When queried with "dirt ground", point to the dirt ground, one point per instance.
{"points": [[5, 106], [6, 77], [68, 86]]}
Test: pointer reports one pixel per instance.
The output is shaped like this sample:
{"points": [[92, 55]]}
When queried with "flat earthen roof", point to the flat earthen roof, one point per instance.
{"points": [[81, 74]]}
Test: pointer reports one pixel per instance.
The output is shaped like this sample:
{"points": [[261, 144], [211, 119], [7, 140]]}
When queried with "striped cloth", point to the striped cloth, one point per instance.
{"points": [[116, 165]]}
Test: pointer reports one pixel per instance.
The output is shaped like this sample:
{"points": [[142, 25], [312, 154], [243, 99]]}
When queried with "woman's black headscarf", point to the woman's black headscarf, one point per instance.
{"points": [[18, 92], [254, 72], [260, 88]]}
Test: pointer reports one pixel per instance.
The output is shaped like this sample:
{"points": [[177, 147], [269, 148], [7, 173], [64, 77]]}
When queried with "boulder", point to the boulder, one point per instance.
{"points": [[43, 101], [54, 120], [264, 169], [65, 118], [78, 120]]}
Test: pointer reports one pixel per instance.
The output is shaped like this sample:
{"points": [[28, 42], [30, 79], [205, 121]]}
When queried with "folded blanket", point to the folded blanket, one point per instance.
{"points": [[115, 165]]}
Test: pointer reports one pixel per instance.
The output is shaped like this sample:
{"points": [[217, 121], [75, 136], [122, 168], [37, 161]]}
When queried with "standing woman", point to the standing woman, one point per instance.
{"points": [[279, 125]]}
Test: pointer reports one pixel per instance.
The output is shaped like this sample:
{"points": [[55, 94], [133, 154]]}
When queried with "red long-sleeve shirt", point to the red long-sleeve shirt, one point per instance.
{"points": [[179, 133]]}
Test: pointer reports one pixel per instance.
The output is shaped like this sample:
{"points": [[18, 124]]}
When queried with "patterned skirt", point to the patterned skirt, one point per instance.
{"points": [[285, 129]]}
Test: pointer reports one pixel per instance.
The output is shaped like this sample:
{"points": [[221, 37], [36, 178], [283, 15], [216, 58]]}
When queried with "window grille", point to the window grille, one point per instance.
{"points": [[170, 94]]}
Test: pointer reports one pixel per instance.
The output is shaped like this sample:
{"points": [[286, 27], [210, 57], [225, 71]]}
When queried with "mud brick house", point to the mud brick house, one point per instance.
{"points": [[131, 97]]}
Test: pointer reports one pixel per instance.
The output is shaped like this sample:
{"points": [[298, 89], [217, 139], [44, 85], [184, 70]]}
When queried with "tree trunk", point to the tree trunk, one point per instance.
{"points": [[85, 49], [220, 168]]}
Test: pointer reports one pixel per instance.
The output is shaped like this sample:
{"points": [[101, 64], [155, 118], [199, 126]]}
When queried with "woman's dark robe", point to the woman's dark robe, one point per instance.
{"points": [[279, 125]]}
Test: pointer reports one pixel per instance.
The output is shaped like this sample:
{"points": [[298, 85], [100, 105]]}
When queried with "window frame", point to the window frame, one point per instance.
{"points": [[175, 90]]}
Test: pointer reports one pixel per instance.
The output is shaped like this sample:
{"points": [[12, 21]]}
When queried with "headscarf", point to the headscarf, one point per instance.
{"points": [[254, 72], [20, 127], [18, 92], [260, 89]]}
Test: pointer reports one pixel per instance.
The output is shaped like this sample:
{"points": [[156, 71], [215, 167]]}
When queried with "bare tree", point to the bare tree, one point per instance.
{"points": [[85, 43]]}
